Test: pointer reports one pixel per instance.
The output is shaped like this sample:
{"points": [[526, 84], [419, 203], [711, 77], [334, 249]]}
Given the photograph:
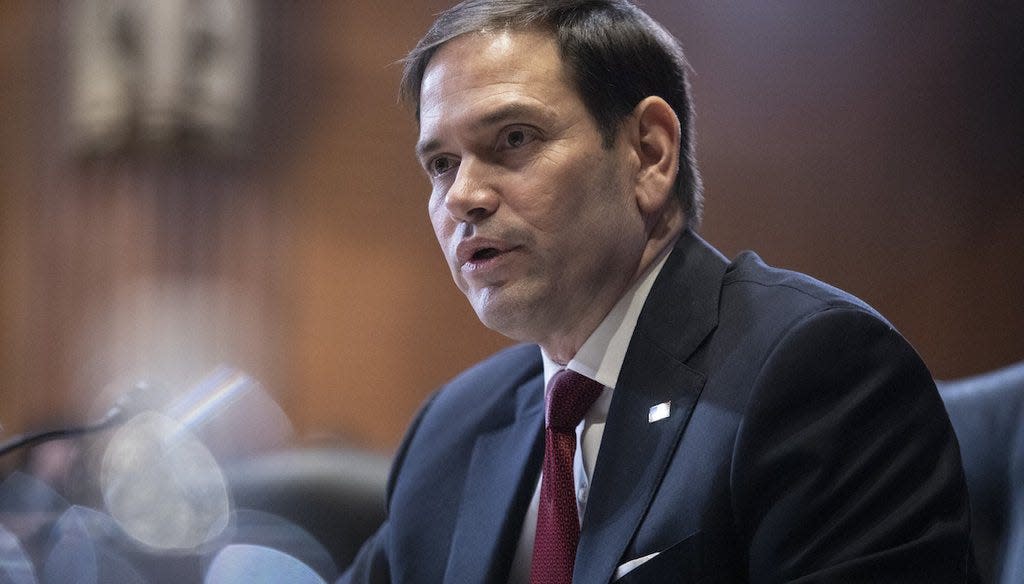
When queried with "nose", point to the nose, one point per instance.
{"points": [[472, 197]]}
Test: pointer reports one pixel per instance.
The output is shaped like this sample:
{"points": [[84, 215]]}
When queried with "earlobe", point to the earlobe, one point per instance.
{"points": [[657, 147]]}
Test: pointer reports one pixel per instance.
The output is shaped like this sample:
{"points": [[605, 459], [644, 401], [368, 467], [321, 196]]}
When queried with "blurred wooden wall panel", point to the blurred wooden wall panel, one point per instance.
{"points": [[875, 147], [16, 25]]}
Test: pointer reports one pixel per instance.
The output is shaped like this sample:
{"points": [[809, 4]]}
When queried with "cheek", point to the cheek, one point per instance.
{"points": [[547, 202], [444, 228], [439, 221]]}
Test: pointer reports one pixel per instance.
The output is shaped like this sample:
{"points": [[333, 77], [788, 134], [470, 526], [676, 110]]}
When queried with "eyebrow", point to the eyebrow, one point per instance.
{"points": [[502, 114]]}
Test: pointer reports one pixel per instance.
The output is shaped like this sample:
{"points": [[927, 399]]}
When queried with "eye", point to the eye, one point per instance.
{"points": [[516, 137], [439, 165]]}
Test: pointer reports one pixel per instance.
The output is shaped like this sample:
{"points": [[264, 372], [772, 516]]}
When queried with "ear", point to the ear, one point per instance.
{"points": [[656, 144]]}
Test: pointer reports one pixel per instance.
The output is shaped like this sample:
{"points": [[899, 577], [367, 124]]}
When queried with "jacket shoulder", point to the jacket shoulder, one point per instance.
{"points": [[492, 379], [749, 278], [480, 398]]}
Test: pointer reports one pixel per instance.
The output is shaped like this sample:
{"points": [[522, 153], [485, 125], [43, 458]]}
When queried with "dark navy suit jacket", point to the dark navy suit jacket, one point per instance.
{"points": [[806, 443]]}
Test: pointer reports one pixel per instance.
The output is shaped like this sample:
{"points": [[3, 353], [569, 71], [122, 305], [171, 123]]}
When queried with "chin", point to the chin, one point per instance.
{"points": [[502, 317], [498, 322], [512, 321], [520, 310]]}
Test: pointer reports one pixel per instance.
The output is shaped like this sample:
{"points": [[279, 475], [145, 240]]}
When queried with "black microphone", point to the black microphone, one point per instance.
{"points": [[128, 403]]}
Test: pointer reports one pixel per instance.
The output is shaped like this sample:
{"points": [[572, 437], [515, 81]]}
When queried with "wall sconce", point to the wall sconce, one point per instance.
{"points": [[160, 73]]}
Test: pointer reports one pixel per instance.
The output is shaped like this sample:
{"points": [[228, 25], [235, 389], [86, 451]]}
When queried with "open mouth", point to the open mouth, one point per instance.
{"points": [[485, 254]]}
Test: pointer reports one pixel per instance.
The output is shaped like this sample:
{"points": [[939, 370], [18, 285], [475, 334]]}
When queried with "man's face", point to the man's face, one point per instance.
{"points": [[537, 218]]}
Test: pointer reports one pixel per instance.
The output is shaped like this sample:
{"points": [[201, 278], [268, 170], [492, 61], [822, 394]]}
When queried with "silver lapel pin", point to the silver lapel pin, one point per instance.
{"points": [[659, 412]]}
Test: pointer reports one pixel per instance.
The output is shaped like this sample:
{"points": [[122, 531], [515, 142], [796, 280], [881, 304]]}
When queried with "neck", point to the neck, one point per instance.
{"points": [[562, 349], [663, 232]]}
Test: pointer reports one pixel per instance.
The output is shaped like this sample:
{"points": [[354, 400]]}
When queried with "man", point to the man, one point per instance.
{"points": [[749, 424]]}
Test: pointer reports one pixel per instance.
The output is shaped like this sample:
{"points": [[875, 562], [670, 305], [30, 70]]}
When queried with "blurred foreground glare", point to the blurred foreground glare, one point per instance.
{"points": [[258, 565], [164, 511], [162, 485]]}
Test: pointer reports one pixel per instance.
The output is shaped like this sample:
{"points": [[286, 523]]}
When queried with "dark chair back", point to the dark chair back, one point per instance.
{"points": [[987, 412], [334, 493]]}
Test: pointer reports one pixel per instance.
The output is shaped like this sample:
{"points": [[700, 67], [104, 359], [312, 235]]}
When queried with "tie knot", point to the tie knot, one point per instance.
{"points": [[570, 395]]}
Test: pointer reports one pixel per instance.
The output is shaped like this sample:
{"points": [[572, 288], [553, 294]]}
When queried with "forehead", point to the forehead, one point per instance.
{"points": [[496, 51], [481, 71]]}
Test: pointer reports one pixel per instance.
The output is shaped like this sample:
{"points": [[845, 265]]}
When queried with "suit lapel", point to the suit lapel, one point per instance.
{"points": [[681, 310], [633, 457], [502, 476]]}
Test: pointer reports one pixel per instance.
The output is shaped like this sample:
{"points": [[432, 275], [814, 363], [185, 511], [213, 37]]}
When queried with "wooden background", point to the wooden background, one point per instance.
{"points": [[877, 147]]}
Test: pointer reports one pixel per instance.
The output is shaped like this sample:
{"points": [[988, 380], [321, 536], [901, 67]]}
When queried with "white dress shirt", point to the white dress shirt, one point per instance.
{"points": [[600, 358]]}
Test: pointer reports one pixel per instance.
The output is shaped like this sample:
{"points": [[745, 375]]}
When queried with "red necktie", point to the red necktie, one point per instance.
{"points": [[570, 395]]}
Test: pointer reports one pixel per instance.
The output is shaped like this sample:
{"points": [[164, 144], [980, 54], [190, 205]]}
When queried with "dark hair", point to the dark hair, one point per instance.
{"points": [[616, 56]]}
